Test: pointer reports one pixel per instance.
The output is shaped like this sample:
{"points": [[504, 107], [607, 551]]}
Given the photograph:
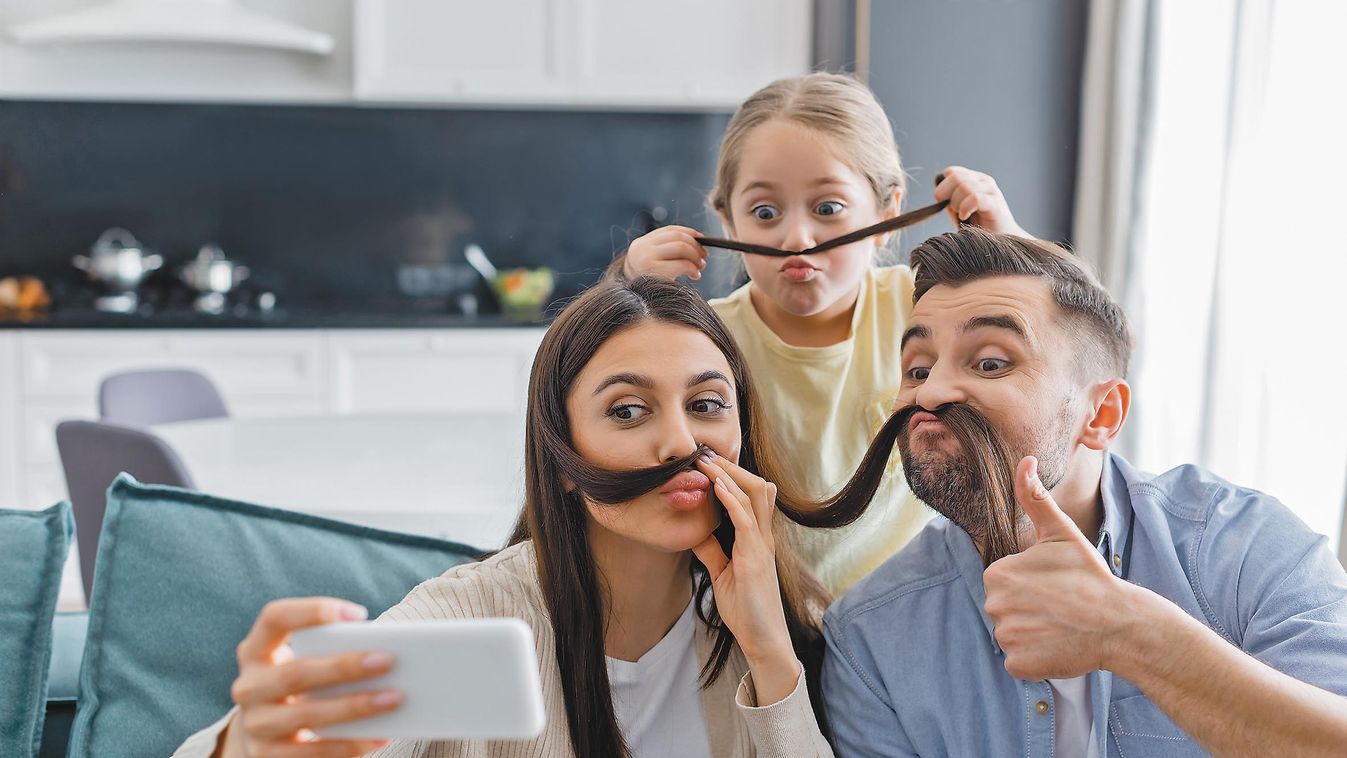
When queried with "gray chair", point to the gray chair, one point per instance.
{"points": [[93, 453], [158, 396]]}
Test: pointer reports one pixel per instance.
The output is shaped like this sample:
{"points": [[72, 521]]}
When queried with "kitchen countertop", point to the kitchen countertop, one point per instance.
{"points": [[281, 318]]}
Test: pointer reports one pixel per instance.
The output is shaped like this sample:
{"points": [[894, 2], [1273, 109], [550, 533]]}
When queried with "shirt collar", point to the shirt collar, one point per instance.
{"points": [[1115, 531]]}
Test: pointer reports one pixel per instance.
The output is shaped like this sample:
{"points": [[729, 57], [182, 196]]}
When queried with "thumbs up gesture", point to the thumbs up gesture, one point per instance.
{"points": [[1055, 605]]}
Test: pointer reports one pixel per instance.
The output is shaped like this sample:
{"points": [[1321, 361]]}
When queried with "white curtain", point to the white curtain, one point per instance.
{"points": [[1211, 180]]}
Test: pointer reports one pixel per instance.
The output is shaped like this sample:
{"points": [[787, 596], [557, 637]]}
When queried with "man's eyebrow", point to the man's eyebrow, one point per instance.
{"points": [[1009, 323], [707, 376], [636, 379], [914, 332]]}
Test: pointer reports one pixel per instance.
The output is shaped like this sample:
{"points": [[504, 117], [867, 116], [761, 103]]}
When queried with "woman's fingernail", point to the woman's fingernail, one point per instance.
{"points": [[352, 612], [376, 661], [387, 698]]}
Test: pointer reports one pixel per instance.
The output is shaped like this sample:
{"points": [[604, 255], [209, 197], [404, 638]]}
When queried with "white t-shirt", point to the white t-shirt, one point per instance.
{"points": [[658, 699], [1075, 721]]}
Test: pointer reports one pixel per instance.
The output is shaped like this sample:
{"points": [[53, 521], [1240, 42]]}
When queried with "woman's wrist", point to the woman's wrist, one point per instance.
{"points": [[775, 675]]}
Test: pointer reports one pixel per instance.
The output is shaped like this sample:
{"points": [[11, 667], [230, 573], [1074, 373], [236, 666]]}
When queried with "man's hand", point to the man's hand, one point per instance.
{"points": [[1053, 605]]}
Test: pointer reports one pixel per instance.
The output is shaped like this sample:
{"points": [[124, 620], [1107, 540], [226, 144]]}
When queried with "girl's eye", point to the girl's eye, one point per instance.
{"points": [[829, 208], [992, 365], [628, 412], [708, 406], [765, 212], [919, 373]]}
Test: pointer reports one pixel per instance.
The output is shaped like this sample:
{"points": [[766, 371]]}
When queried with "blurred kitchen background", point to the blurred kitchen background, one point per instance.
{"points": [[367, 209]]}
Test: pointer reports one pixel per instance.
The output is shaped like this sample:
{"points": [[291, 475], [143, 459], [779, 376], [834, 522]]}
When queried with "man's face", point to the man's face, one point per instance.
{"points": [[999, 346]]}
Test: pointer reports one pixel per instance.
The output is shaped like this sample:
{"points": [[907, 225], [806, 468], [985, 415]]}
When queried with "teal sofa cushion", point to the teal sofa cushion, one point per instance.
{"points": [[180, 577], [33, 549]]}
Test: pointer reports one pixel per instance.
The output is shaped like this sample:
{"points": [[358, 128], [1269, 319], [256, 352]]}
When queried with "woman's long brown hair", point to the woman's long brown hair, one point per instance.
{"points": [[557, 521]]}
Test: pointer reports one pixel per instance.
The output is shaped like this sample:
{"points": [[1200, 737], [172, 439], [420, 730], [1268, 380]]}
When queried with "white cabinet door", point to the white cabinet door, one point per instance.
{"points": [[242, 363], [459, 50], [433, 370], [11, 434], [258, 373], [699, 52], [607, 53], [178, 72]]}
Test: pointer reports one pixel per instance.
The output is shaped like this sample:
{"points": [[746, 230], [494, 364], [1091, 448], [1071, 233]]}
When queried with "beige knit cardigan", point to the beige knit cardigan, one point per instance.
{"points": [[506, 584]]}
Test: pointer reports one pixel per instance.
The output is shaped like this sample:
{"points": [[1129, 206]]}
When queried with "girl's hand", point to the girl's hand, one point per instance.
{"points": [[275, 716], [974, 198], [667, 252], [747, 592]]}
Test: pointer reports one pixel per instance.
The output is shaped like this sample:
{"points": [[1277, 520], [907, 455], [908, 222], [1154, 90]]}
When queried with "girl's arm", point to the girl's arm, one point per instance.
{"points": [[667, 252], [975, 199]]}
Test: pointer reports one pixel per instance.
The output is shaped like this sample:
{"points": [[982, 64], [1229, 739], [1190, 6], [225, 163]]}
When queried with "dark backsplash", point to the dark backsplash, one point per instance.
{"points": [[323, 203]]}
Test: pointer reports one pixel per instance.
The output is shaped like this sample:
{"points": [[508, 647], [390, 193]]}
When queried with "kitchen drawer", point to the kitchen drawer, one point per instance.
{"points": [[446, 370], [73, 364]]}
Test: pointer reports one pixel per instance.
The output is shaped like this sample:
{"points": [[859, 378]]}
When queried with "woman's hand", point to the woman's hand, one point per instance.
{"points": [[746, 588], [974, 198], [667, 252], [275, 715]]}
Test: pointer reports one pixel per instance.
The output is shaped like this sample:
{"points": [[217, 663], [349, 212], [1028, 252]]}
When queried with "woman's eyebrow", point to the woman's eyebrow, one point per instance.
{"points": [[707, 376], [624, 378]]}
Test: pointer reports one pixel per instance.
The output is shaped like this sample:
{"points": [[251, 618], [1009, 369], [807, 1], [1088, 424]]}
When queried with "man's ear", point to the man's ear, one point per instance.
{"points": [[890, 210], [1111, 401]]}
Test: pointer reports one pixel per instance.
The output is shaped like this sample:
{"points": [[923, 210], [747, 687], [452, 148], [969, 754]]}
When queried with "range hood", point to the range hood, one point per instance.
{"points": [[209, 22]]}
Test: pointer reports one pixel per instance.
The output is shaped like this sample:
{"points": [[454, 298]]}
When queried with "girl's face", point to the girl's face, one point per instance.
{"points": [[793, 191], [653, 393]]}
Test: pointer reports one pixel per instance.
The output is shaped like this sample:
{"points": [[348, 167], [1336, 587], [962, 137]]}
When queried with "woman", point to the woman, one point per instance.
{"points": [[667, 621]]}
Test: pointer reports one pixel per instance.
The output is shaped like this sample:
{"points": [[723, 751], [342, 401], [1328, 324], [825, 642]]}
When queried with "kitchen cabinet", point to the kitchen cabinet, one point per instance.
{"points": [[47, 376], [380, 371], [177, 72], [618, 54], [599, 53], [10, 436]]}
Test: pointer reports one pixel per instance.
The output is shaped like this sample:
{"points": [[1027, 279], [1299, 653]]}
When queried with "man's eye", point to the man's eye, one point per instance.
{"points": [[992, 365], [628, 412], [765, 212], [918, 374], [829, 208]]}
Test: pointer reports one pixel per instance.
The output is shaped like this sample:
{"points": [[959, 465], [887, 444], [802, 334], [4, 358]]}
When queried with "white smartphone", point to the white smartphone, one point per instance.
{"points": [[461, 679]]}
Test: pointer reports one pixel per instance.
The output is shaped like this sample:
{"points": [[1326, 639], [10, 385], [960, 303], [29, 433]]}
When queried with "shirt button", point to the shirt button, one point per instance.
{"points": [[1117, 560], [1041, 707]]}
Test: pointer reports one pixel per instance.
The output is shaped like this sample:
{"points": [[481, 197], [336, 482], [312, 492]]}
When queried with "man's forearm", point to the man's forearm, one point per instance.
{"points": [[1231, 703]]}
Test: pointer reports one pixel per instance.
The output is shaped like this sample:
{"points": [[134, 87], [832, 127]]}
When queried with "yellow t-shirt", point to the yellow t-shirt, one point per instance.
{"points": [[824, 405]]}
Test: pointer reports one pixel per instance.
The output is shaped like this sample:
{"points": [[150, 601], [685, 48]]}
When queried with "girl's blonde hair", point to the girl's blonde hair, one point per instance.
{"points": [[836, 105]]}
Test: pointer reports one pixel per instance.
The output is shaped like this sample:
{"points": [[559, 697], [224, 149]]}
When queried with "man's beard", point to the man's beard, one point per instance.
{"points": [[974, 485]]}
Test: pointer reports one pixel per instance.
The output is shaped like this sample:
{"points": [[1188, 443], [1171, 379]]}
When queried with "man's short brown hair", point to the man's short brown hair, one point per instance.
{"points": [[970, 254]]}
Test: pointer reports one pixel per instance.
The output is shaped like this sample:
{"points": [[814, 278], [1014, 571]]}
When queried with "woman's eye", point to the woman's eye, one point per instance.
{"points": [[992, 365], [628, 412], [918, 374], [829, 208], [765, 212], [707, 405]]}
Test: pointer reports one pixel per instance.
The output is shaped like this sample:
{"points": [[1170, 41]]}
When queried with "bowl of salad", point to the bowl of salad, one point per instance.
{"points": [[523, 292]]}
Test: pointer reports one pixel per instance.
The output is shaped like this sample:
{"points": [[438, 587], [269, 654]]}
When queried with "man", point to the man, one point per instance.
{"points": [[1134, 615]]}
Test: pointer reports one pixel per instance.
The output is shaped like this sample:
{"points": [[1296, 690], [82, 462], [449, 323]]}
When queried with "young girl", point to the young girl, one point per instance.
{"points": [[804, 161], [667, 623]]}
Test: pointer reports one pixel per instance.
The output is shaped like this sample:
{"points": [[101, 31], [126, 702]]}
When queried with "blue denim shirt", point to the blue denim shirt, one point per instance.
{"points": [[912, 667]]}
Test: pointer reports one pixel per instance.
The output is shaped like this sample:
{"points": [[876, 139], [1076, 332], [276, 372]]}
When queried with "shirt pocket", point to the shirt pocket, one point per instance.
{"points": [[1138, 728]]}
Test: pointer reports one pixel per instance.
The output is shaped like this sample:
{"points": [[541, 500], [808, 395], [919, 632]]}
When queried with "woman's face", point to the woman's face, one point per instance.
{"points": [[793, 191], [652, 393]]}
